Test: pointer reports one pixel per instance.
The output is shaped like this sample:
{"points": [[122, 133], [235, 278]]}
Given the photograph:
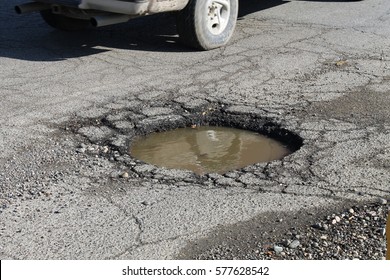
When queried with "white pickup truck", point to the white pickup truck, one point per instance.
{"points": [[202, 24]]}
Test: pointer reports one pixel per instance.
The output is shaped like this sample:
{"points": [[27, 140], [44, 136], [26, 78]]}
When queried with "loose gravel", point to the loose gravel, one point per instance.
{"points": [[355, 233], [358, 233]]}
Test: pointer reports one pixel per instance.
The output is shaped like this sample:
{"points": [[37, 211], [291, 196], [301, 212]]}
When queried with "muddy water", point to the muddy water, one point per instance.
{"points": [[207, 149]]}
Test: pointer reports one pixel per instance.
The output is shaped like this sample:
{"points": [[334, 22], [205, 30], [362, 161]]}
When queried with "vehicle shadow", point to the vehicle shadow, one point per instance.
{"points": [[37, 41], [247, 7], [27, 37]]}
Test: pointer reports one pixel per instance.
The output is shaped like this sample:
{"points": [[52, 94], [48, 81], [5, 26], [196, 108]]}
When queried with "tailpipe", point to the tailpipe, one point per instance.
{"points": [[104, 20], [31, 7]]}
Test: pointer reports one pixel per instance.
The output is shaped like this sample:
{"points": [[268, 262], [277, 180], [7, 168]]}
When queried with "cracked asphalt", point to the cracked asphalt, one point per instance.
{"points": [[315, 74]]}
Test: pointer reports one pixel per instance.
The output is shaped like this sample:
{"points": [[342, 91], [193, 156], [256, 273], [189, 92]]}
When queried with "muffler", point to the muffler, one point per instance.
{"points": [[31, 7], [110, 19]]}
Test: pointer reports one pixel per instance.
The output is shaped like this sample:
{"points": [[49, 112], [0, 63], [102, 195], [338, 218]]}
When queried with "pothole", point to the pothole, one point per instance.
{"points": [[207, 149], [207, 140]]}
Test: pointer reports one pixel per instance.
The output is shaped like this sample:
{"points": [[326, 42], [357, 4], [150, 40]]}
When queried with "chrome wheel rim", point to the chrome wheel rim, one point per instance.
{"points": [[218, 14]]}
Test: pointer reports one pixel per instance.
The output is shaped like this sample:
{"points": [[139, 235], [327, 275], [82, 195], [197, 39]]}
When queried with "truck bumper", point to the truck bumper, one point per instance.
{"points": [[115, 6], [102, 12], [134, 7]]}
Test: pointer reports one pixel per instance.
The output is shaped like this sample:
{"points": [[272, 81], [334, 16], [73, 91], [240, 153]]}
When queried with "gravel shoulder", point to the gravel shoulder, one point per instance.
{"points": [[338, 233]]}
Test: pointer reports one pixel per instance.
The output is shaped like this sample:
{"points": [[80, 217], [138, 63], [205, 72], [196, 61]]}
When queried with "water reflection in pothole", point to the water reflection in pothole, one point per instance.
{"points": [[207, 149]]}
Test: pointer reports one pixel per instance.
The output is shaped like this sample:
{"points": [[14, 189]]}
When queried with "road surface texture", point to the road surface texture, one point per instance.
{"points": [[315, 72]]}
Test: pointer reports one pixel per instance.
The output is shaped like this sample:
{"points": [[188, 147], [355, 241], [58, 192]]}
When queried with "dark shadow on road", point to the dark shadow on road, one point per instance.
{"points": [[39, 42], [252, 6]]}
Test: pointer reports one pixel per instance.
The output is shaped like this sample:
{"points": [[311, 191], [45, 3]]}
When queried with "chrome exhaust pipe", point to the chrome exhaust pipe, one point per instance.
{"points": [[110, 19], [31, 7]]}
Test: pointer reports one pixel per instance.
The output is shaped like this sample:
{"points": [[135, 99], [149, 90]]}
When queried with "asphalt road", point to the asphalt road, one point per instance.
{"points": [[71, 103]]}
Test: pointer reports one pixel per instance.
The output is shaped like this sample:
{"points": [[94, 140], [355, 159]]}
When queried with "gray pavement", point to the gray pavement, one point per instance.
{"points": [[72, 102]]}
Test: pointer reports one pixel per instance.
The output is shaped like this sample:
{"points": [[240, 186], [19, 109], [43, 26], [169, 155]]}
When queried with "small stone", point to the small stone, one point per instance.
{"points": [[324, 237], [351, 211], [294, 244], [338, 219], [317, 226], [125, 175], [105, 149], [320, 226], [278, 249], [361, 237], [341, 63], [334, 222], [382, 201], [90, 148], [80, 150], [372, 213], [325, 227]]}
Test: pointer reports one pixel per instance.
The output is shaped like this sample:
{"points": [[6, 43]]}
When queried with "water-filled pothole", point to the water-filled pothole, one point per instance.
{"points": [[207, 149]]}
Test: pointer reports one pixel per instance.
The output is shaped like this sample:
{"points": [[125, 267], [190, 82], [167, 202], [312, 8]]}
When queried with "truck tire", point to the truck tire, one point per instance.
{"points": [[64, 23], [207, 24]]}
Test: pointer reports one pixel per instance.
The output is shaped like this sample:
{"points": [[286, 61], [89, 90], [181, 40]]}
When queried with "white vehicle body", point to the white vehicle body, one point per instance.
{"points": [[203, 24], [134, 7], [130, 7]]}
